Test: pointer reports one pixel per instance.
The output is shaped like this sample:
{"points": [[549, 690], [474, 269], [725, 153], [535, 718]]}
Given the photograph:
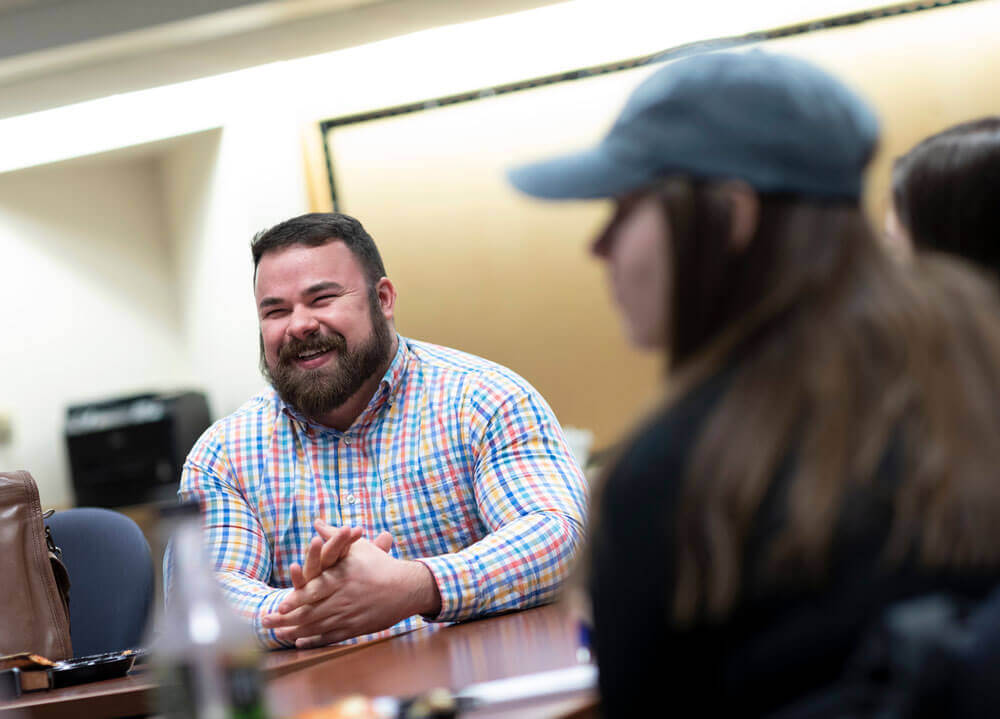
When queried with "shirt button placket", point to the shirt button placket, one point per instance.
{"points": [[350, 499]]}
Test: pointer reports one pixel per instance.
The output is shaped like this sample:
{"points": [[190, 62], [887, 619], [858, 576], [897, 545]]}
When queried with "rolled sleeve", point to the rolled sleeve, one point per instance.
{"points": [[456, 582], [532, 496]]}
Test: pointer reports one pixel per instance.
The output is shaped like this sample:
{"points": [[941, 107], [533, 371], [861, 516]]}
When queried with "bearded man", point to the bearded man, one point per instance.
{"points": [[383, 482]]}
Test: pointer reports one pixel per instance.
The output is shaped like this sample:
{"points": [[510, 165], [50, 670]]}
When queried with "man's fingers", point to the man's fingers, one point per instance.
{"points": [[293, 599], [323, 529], [287, 634], [289, 619], [316, 633], [338, 541], [384, 541], [311, 593], [300, 614], [312, 642], [333, 547], [276, 621], [312, 566], [298, 580], [322, 640], [354, 534], [321, 626]]}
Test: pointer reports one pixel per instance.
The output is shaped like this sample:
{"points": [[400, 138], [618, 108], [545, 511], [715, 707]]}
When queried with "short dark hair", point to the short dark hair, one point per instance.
{"points": [[319, 228], [946, 191]]}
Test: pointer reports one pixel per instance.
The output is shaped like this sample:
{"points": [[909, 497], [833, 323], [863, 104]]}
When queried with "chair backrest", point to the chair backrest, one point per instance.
{"points": [[111, 570], [930, 656], [975, 690]]}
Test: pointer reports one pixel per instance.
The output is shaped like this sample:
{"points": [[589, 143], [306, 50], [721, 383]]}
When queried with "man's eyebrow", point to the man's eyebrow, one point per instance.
{"points": [[322, 286], [311, 290]]}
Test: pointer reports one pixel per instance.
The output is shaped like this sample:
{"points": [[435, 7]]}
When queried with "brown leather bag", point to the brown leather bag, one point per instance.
{"points": [[34, 605]]}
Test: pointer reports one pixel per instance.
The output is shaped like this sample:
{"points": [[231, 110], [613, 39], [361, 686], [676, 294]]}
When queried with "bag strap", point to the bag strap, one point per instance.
{"points": [[59, 571]]}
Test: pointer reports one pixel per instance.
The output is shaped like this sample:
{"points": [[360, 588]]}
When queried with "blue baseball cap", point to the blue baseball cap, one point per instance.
{"points": [[775, 121]]}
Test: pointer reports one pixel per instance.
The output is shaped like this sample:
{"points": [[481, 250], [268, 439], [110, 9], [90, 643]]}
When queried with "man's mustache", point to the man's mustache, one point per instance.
{"points": [[312, 345]]}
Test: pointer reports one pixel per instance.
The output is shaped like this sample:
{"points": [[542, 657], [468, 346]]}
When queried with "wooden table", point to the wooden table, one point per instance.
{"points": [[133, 695], [452, 657]]}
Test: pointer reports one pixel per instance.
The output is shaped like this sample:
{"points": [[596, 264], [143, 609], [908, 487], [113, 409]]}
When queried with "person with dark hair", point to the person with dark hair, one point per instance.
{"points": [[946, 194], [829, 442], [383, 482]]}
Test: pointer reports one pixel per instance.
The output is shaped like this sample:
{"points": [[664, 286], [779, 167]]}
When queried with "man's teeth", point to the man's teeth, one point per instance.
{"points": [[310, 355]]}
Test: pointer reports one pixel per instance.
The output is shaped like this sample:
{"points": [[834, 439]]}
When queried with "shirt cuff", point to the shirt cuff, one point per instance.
{"points": [[267, 637], [456, 583]]}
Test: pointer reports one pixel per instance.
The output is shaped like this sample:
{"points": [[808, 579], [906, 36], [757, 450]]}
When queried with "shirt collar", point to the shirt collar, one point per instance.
{"points": [[393, 377], [389, 386]]}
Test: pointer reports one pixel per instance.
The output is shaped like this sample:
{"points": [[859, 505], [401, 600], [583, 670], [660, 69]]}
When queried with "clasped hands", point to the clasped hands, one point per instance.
{"points": [[348, 586]]}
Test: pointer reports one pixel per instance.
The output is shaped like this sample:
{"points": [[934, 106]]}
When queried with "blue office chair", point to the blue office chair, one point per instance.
{"points": [[111, 571]]}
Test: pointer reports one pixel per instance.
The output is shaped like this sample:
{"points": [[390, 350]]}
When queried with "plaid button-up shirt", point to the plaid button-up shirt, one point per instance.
{"points": [[458, 458]]}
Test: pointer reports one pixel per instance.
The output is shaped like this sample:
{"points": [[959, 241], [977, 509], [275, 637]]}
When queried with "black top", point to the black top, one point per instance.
{"points": [[784, 639]]}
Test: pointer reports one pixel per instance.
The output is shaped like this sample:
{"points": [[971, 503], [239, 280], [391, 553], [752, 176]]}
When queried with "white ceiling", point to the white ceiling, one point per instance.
{"points": [[35, 26], [57, 52], [6, 5]]}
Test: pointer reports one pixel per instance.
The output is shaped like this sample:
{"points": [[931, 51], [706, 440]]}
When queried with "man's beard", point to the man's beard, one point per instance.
{"points": [[316, 392]]}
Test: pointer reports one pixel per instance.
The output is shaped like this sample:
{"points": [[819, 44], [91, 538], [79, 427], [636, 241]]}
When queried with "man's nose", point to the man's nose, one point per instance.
{"points": [[303, 323]]}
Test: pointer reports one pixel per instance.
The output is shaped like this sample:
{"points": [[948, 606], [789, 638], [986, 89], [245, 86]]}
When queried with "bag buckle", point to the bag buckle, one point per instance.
{"points": [[49, 542]]}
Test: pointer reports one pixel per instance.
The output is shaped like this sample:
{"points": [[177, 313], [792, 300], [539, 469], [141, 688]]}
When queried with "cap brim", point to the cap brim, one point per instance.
{"points": [[585, 175]]}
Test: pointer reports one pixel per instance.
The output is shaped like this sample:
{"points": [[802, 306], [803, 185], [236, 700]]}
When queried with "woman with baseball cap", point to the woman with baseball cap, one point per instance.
{"points": [[829, 443]]}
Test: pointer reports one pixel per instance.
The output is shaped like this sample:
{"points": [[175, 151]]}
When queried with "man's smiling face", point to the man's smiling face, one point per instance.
{"points": [[323, 330]]}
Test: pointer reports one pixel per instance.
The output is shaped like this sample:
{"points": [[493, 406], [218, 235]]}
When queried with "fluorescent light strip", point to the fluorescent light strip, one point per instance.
{"points": [[428, 63]]}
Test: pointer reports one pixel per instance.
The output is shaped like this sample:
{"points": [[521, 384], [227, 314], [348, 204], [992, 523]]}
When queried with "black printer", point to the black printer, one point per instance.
{"points": [[130, 450]]}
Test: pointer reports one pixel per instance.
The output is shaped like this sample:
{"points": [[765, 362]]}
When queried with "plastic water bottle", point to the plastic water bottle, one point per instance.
{"points": [[206, 659]]}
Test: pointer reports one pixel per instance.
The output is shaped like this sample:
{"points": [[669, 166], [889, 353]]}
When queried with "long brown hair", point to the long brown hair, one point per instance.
{"points": [[839, 353]]}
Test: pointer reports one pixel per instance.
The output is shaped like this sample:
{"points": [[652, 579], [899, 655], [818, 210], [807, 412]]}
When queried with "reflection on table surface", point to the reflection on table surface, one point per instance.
{"points": [[452, 657]]}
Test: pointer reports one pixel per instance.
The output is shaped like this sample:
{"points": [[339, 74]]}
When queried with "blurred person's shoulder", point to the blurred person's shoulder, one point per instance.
{"points": [[666, 437]]}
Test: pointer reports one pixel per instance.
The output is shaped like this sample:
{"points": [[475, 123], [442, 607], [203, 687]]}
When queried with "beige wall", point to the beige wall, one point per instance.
{"points": [[208, 236], [87, 302], [480, 268], [131, 272], [216, 197], [484, 269]]}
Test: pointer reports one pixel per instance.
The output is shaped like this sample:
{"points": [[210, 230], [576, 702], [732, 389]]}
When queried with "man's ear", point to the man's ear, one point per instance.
{"points": [[744, 213], [386, 292]]}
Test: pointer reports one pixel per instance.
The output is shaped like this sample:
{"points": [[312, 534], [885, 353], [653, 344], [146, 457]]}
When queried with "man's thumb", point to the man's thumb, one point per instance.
{"points": [[384, 541]]}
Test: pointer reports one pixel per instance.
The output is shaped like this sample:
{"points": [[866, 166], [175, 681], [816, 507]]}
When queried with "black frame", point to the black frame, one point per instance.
{"points": [[679, 51]]}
